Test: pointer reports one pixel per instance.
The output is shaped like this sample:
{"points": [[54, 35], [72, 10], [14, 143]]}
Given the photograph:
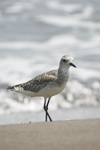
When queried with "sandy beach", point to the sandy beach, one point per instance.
{"points": [[59, 135]]}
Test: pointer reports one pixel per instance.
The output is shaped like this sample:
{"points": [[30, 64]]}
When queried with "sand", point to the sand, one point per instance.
{"points": [[59, 135]]}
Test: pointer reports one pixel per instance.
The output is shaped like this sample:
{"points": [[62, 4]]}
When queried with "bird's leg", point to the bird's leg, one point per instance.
{"points": [[48, 103], [46, 113], [46, 108]]}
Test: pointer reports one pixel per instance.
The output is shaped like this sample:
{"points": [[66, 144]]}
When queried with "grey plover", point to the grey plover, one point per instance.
{"points": [[47, 84]]}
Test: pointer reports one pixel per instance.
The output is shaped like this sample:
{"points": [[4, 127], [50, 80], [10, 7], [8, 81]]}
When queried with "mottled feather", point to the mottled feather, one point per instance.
{"points": [[47, 84], [41, 81], [37, 83]]}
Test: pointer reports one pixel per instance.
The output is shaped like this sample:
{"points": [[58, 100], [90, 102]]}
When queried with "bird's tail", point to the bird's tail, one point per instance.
{"points": [[14, 88], [10, 88]]}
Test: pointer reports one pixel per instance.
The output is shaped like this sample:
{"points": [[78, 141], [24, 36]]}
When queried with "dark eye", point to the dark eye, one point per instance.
{"points": [[64, 60]]}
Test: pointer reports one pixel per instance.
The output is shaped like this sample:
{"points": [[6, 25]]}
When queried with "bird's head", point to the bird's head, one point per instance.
{"points": [[67, 61]]}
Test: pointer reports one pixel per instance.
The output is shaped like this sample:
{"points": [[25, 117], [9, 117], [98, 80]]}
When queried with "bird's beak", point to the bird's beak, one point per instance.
{"points": [[72, 64]]}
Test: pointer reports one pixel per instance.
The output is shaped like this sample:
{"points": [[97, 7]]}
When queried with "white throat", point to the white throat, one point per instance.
{"points": [[63, 72]]}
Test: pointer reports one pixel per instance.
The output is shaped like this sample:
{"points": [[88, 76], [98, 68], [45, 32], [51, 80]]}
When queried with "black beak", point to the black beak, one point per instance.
{"points": [[72, 65]]}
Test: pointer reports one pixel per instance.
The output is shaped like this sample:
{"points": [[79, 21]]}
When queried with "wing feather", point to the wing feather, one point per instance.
{"points": [[40, 81]]}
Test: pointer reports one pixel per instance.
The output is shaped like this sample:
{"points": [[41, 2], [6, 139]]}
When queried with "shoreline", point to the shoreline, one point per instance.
{"points": [[76, 113], [71, 134]]}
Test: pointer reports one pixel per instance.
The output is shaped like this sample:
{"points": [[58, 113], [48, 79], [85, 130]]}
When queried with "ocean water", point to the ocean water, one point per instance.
{"points": [[34, 35]]}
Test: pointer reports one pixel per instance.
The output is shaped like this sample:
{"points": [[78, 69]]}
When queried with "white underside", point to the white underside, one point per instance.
{"points": [[50, 90], [45, 92]]}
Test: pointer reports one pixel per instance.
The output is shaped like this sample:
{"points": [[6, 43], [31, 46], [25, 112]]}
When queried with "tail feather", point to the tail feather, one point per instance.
{"points": [[15, 88], [10, 88]]}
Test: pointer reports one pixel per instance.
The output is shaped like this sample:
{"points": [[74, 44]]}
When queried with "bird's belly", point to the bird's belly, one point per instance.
{"points": [[47, 91], [51, 91]]}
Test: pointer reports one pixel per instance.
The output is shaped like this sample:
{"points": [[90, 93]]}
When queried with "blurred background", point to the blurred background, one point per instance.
{"points": [[34, 35]]}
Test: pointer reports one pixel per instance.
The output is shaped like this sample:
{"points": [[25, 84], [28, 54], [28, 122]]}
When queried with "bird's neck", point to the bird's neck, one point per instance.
{"points": [[63, 75]]}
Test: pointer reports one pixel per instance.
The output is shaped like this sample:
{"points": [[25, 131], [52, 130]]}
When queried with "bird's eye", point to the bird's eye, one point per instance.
{"points": [[64, 60]]}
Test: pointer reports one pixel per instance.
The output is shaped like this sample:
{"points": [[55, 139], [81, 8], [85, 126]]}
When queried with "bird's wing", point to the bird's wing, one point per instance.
{"points": [[37, 83], [40, 81]]}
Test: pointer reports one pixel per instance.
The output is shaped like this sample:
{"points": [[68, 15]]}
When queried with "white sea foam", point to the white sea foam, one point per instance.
{"points": [[18, 45], [56, 41], [76, 20], [15, 107], [86, 74], [85, 12], [64, 7], [68, 21], [18, 7]]}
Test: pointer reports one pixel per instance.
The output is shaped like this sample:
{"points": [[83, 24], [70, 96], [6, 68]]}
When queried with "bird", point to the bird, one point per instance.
{"points": [[47, 84]]}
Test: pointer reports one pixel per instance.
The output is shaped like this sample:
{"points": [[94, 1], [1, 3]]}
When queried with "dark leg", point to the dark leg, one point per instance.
{"points": [[48, 103], [46, 108]]}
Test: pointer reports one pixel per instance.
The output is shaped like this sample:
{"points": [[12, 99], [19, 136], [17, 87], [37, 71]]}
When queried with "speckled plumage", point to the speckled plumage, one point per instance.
{"points": [[41, 81], [46, 81], [47, 84]]}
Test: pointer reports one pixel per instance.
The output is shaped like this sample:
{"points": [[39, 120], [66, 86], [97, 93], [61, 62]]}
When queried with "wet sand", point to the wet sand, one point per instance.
{"points": [[59, 135]]}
